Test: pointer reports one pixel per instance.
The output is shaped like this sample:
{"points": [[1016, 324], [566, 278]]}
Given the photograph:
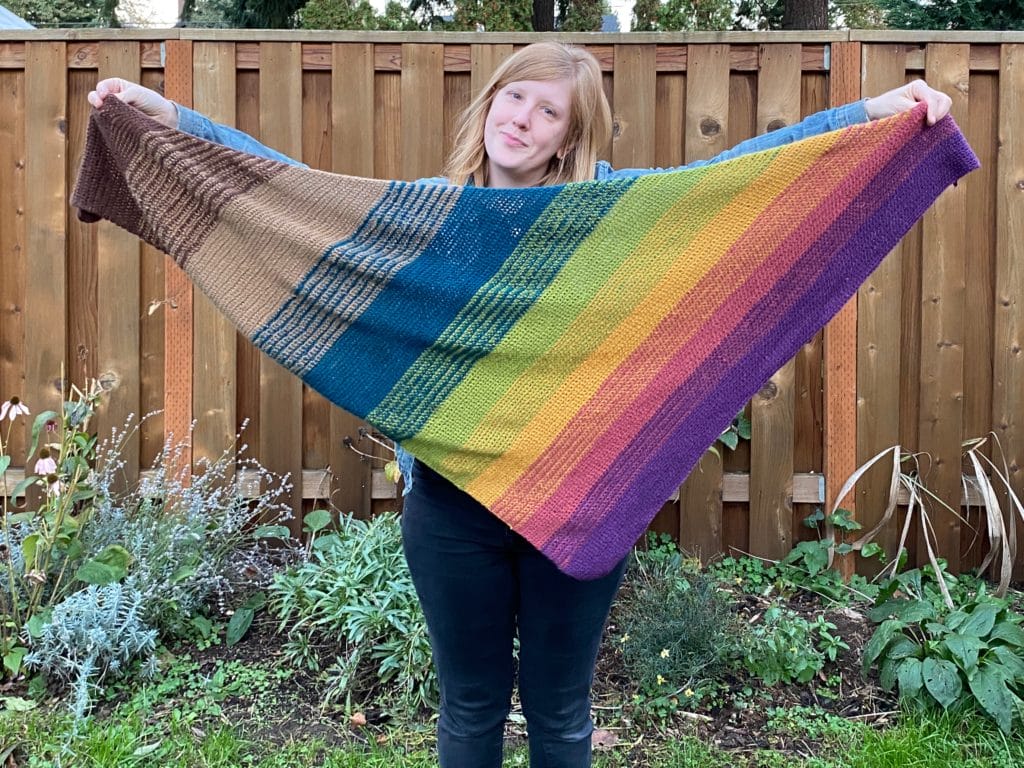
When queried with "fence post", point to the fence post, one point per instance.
{"points": [[840, 369], [178, 288]]}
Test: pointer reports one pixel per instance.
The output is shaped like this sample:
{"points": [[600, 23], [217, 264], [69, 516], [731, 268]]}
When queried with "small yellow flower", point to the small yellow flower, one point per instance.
{"points": [[661, 680], [688, 693], [664, 653], [739, 579], [624, 638]]}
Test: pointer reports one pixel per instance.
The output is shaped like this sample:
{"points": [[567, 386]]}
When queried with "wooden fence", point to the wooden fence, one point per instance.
{"points": [[927, 356]]}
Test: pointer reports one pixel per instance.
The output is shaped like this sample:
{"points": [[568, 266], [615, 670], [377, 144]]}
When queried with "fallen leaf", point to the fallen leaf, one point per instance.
{"points": [[603, 739], [358, 719]]}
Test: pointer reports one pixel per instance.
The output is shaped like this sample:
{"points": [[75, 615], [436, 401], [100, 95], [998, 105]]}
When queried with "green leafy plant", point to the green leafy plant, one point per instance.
{"points": [[971, 654], [808, 564], [356, 587], [44, 558], [784, 647], [738, 429]]}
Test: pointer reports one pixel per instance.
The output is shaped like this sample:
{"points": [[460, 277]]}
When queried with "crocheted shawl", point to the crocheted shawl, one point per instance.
{"points": [[563, 354]]}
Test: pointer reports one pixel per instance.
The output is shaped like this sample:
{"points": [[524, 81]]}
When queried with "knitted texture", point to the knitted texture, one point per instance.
{"points": [[563, 354]]}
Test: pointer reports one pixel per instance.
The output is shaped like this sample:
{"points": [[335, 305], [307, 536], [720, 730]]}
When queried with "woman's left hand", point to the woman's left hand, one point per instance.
{"points": [[906, 97]]}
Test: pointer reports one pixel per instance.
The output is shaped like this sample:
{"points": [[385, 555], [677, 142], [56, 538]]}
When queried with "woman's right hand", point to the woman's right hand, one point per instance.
{"points": [[147, 101]]}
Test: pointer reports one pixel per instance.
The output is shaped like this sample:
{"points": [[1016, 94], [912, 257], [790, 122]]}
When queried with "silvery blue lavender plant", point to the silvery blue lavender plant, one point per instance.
{"points": [[93, 632], [192, 541]]}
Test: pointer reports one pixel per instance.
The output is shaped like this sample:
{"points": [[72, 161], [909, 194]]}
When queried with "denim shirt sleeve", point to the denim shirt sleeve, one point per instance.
{"points": [[820, 122], [200, 126]]}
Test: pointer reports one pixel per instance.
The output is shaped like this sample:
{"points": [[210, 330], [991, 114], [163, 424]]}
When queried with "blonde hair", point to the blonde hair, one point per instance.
{"points": [[590, 118]]}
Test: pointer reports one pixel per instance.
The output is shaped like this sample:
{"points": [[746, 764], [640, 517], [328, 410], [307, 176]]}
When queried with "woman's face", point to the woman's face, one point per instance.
{"points": [[526, 126]]}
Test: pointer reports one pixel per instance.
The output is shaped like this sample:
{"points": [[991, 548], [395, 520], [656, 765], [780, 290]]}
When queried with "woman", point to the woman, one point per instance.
{"points": [[540, 120]]}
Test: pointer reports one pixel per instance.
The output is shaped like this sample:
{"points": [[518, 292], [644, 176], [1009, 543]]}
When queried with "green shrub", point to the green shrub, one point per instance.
{"points": [[676, 626], [356, 597], [968, 655]]}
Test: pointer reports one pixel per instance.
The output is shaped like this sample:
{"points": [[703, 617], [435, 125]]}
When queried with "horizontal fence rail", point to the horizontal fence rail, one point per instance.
{"points": [[927, 356]]}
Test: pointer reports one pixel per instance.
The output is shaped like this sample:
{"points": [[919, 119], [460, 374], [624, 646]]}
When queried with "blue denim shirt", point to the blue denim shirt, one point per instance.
{"points": [[196, 124]]}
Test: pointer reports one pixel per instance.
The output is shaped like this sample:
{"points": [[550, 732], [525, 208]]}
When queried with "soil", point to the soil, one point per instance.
{"points": [[293, 709]]}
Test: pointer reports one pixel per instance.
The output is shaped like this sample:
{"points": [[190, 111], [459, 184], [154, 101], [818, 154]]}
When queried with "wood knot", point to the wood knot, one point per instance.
{"points": [[710, 127], [775, 124], [768, 390], [616, 129], [108, 381]]}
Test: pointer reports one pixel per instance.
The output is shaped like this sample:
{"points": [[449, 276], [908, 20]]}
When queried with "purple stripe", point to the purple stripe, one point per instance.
{"points": [[809, 309]]}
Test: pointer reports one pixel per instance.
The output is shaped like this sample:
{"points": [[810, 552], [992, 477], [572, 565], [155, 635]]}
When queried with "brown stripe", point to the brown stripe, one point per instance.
{"points": [[184, 206]]}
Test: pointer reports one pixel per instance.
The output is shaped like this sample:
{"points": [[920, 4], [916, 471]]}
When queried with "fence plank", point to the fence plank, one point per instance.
{"points": [[214, 346], [280, 391], [635, 92], [707, 130], [840, 335], [669, 120], [387, 122], [247, 358], [317, 149], [982, 134], [979, 332], [151, 331], [940, 424], [809, 406], [772, 438], [1008, 370], [45, 233], [422, 113], [12, 251], [878, 348], [457, 95], [117, 285], [352, 107], [484, 60]]}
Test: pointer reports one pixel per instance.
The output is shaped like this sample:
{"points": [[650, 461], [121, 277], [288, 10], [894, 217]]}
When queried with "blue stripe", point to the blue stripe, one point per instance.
{"points": [[477, 236]]}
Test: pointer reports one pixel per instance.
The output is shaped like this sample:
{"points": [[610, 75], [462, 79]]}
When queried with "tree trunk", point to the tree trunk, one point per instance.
{"points": [[543, 15], [805, 14]]}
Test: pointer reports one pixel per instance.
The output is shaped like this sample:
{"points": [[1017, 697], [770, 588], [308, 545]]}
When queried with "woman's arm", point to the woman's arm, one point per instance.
{"points": [[182, 118], [888, 104]]}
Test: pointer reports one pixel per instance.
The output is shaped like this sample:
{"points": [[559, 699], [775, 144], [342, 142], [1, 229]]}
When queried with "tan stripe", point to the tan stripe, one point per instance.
{"points": [[268, 239]]}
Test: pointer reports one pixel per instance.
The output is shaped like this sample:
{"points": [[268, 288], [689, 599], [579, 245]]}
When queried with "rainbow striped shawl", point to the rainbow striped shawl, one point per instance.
{"points": [[563, 354]]}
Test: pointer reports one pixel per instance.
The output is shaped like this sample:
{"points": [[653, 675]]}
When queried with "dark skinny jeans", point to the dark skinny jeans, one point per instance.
{"points": [[479, 582]]}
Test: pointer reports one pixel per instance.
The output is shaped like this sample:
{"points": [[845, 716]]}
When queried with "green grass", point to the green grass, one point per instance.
{"points": [[124, 740]]}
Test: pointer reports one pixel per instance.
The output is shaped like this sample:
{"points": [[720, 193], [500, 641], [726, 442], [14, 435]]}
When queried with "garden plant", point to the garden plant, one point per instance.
{"points": [[154, 625]]}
